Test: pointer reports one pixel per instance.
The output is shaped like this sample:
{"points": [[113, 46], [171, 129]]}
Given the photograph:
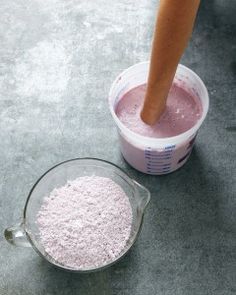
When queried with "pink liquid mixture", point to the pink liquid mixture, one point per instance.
{"points": [[182, 112]]}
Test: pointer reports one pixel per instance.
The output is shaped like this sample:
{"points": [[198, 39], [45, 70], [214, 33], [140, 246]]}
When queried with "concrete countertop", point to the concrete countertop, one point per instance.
{"points": [[58, 59]]}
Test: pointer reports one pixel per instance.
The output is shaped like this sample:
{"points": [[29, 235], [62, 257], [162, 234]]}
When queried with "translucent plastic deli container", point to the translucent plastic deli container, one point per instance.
{"points": [[156, 155]]}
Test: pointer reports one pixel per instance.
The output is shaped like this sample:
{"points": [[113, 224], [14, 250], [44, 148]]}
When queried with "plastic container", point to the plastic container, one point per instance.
{"points": [[26, 233], [156, 155]]}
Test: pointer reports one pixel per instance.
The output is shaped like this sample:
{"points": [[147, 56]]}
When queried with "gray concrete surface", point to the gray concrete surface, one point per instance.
{"points": [[58, 59]]}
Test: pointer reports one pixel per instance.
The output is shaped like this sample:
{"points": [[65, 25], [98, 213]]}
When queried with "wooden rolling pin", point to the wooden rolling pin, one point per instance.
{"points": [[173, 29]]}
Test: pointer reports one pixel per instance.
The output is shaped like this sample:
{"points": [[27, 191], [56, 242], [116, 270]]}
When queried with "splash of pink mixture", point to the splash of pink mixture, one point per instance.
{"points": [[183, 110], [86, 223]]}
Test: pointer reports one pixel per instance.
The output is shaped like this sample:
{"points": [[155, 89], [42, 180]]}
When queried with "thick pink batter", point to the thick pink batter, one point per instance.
{"points": [[182, 112]]}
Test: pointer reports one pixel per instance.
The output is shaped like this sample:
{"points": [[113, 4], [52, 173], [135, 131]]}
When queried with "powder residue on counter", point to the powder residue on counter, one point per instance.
{"points": [[183, 110], [86, 223]]}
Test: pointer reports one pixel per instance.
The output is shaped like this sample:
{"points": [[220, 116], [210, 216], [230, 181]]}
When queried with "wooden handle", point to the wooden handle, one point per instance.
{"points": [[174, 26]]}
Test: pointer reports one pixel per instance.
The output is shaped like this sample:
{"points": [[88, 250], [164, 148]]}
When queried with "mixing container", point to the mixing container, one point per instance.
{"points": [[156, 155], [26, 233]]}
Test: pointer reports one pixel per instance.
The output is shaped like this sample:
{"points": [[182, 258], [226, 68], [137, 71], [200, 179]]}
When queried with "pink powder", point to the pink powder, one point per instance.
{"points": [[182, 112], [86, 223]]}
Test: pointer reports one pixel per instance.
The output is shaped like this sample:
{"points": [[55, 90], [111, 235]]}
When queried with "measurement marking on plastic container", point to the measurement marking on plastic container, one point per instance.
{"points": [[159, 155], [157, 159], [149, 161], [158, 164], [157, 168], [170, 147], [157, 171], [158, 151]]}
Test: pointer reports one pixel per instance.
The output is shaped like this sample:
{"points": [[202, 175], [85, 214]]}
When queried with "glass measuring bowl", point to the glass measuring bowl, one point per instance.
{"points": [[27, 234]]}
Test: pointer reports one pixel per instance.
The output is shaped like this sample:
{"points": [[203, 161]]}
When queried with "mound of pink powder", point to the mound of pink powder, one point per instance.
{"points": [[86, 223]]}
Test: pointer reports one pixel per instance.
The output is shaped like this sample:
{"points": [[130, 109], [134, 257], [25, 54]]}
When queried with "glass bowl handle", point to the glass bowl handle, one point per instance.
{"points": [[143, 194], [16, 235]]}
